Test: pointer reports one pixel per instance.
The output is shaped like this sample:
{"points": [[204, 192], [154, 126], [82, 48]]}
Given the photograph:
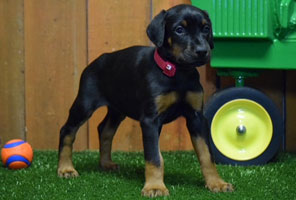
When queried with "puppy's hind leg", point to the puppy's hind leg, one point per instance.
{"points": [[79, 113], [107, 130], [87, 101]]}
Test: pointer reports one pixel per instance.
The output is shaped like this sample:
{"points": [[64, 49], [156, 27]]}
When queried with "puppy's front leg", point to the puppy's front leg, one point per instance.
{"points": [[154, 167], [198, 128]]}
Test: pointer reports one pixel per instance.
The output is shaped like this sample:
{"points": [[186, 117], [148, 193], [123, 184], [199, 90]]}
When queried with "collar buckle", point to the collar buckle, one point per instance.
{"points": [[167, 67]]}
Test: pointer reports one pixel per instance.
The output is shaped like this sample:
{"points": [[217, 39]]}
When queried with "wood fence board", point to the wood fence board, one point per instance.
{"points": [[55, 44], [12, 106], [291, 111], [159, 5]]}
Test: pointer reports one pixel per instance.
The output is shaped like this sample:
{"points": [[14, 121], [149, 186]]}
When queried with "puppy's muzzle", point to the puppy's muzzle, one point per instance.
{"points": [[202, 51], [198, 56]]}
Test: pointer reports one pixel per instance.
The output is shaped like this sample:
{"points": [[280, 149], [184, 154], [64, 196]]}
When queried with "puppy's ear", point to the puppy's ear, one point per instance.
{"points": [[211, 37], [156, 29]]}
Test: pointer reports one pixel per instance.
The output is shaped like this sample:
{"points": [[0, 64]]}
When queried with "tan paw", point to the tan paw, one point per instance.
{"points": [[67, 172], [109, 166], [150, 191], [219, 186]]}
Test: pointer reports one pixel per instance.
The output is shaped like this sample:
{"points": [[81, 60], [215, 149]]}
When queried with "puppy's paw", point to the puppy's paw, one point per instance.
{"points": [[155, 191], [218, 185], [67, 172], [109, 166]]}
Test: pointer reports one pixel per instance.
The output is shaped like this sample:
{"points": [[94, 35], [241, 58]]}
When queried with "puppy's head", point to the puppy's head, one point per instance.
{"points": [[183, 35]]}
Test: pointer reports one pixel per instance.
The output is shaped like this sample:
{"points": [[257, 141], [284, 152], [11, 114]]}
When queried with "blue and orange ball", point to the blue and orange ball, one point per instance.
{"points": [[17, 154]]}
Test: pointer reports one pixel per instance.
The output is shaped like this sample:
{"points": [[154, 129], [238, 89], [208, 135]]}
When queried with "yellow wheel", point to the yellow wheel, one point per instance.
{"points": [[241, 129], [245, 126]]}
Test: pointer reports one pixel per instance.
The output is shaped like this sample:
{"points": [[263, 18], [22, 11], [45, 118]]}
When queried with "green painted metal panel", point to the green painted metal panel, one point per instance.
{"points": [[239, 18], [252, 34], [255, 54]]}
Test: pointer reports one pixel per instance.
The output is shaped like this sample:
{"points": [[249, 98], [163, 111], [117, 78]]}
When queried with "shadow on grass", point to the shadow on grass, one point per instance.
{"points": [[132, 168]]}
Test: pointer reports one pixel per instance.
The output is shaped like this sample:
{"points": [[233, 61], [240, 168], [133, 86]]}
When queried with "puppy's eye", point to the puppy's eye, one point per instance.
{"points": [[206, 29], [180, 30]]}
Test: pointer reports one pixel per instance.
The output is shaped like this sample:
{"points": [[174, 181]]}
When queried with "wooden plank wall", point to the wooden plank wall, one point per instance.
{"points": [[12, 66], [45, 45], [56, 53], [291, 110]]}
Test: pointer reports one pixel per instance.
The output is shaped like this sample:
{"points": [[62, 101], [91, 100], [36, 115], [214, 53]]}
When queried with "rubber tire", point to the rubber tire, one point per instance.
{"points": [[224, 96]]}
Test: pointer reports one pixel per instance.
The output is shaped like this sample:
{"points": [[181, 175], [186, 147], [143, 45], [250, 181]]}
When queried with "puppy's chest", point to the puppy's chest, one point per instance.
{"points": [[164, 101]]}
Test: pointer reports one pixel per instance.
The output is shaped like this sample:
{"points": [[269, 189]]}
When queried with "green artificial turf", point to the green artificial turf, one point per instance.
{"points": [[183, 178]]}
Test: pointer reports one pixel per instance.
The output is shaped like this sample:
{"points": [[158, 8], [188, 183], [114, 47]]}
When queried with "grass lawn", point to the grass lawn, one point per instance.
{"points": [[183, 178]]}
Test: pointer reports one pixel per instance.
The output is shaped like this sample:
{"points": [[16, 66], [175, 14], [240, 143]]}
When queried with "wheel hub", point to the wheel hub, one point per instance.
{"points": [[241, 129]]}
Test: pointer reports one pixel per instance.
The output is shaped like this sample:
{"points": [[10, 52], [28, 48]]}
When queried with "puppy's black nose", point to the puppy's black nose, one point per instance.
{"points": [[201, 53]]}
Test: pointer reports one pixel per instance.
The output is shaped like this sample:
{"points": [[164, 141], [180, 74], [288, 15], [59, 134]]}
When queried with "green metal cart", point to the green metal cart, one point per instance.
{"points": [[250, 35]]}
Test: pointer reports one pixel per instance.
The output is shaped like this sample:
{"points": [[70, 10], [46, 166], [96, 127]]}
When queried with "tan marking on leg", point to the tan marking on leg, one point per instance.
{"points": [[208, 168], [106, 139], [163, 102], [195, 99], [66, 168], [154, 185]]}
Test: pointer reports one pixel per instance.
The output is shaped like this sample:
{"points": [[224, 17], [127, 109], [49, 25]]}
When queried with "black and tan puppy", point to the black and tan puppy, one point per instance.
{"points": [[151, 85]]}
